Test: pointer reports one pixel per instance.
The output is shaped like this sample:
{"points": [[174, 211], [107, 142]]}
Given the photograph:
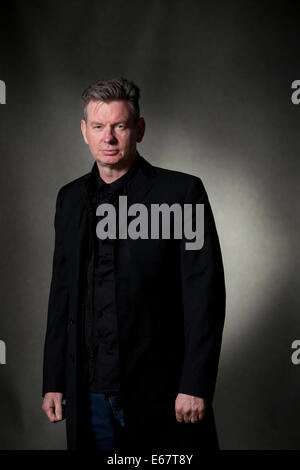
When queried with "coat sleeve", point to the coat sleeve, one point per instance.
{"points": [[56, 332], [203, 296]]}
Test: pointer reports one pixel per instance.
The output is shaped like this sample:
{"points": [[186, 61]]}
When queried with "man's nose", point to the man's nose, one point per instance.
{"points": [[109, 136]]}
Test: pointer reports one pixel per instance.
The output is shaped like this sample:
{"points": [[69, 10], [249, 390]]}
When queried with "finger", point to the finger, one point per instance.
{"points": [[50, 413], [179, 416], [187, 417], [58, 410], [194, 417], [178, 413]]}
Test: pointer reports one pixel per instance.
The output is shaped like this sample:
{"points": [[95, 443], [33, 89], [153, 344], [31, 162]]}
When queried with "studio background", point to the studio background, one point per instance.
{"points": [[215, 81]]}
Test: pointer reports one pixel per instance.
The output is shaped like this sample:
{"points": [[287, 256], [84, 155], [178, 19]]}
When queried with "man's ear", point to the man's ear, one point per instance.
{"points": [[140, 129], [83, 130]]}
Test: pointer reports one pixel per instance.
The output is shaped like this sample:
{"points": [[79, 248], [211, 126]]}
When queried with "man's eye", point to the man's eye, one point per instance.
{"points": [[98, 127], [120, 126]]}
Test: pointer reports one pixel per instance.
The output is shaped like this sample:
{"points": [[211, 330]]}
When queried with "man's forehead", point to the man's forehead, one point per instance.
{"points": [[118, 109]]}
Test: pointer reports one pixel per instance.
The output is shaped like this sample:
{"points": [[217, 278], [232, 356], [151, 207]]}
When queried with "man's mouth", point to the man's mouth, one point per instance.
{"points": [[110, 152]]}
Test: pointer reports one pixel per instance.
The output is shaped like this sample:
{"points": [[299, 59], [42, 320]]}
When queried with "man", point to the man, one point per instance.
{"points": [[134, 323]]}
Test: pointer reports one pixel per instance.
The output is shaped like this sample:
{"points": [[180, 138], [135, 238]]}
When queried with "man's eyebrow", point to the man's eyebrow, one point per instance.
{"points": [[125, 121]]}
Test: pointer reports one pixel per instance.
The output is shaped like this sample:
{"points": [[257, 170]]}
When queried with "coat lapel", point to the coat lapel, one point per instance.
{"points": [[142, 183], [85, 226]]}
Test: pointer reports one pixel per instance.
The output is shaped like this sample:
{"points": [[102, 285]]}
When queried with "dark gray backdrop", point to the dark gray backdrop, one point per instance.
{"points": [[215, 79]]}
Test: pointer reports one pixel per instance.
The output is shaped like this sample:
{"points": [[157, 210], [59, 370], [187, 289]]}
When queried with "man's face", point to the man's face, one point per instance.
{"points": [[111, 133]]}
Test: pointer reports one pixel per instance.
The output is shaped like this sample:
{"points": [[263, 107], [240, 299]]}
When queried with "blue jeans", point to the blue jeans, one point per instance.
{"points": [[106, 418]]}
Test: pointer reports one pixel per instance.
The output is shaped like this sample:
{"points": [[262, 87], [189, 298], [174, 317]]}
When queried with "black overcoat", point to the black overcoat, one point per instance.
{"points": [[170, 311]]}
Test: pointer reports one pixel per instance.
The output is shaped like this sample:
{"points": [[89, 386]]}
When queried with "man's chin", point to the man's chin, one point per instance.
{"points": [[109, 160]]}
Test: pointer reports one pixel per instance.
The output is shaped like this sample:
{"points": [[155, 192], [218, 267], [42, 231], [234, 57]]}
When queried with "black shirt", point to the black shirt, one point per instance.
{"points": [[104, 373]]}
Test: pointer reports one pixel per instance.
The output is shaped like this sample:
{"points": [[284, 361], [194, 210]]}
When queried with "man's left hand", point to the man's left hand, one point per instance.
{"points": [[189, 409]]}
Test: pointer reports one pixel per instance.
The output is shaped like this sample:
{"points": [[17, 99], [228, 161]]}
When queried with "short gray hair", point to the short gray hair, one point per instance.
{"points": [[112, 90]]}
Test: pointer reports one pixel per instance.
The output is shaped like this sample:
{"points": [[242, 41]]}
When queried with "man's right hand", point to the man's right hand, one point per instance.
{"points": [[52, 406]]}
